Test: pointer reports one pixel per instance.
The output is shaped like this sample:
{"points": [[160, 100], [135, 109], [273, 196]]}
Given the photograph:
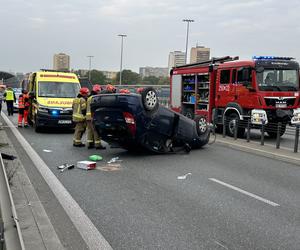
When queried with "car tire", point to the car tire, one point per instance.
{"points": [[149, 99], [230, 120], [189, 113], [201, 125]]}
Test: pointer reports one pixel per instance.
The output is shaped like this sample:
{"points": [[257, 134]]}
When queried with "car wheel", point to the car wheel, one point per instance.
{"points": [[232, 121], [201, 125], [150, 99], [189, 113]]}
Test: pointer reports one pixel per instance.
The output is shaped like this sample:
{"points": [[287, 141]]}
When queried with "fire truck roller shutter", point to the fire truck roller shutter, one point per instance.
{"points": [[234, 114]]}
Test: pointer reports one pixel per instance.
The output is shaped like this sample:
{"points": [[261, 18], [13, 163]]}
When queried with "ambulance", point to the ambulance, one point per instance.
{"points": [[51, 95]]}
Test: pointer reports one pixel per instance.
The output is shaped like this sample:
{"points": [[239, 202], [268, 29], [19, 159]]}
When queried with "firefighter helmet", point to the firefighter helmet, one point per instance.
{"points": [[139, 90], [110, 88], [124, 91], [97, 88], [84, 91]]}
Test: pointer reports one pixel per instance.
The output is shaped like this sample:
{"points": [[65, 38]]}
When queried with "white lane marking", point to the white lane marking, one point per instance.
{"points": [[90, 234], [245, 192]]}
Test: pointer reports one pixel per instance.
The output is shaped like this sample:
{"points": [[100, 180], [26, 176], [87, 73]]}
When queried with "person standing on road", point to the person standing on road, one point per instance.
{"points": [[79, 116], [23, 105], [110, 89], [93, 138], [10, 98]]}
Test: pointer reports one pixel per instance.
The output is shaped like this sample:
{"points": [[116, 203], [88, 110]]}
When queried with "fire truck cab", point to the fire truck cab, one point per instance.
{"points": [[264, 90]]}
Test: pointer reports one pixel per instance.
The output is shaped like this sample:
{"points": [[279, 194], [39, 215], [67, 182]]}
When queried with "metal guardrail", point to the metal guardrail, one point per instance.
{"points": [[10, 231], [276, 130]]}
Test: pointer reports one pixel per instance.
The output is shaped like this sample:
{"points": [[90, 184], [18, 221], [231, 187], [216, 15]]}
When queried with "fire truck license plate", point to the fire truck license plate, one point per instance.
{"points": [[281, 105], [64, 121]]}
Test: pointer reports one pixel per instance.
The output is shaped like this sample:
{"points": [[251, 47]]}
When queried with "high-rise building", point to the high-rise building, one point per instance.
{"points": [[110, 74], [153, 71], [61, 61], [176, 58], [199, 54]]}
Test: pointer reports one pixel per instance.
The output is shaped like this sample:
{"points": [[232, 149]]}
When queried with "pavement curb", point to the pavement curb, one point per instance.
{"points": [[37, 230], [266, 151]]}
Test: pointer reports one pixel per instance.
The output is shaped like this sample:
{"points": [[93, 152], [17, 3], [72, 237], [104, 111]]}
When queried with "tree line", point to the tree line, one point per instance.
{"points": [[128, 78]]}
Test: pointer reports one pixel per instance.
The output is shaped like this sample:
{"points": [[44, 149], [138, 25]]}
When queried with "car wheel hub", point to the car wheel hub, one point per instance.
{"points": [[202, 125], [231, 126], [151, 99]]}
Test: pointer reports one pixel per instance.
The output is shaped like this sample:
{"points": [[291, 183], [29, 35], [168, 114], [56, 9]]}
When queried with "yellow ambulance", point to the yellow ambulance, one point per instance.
{"points": [[51, 97]]}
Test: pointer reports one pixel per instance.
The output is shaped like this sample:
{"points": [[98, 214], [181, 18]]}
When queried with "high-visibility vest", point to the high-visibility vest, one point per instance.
{"points": [[88, 108], [9, 95], [21, 102], [79, 108]]}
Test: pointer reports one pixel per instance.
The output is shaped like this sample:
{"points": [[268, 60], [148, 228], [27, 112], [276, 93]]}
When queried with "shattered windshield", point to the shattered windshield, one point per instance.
{"points": [[58, 89], [278, 80]]}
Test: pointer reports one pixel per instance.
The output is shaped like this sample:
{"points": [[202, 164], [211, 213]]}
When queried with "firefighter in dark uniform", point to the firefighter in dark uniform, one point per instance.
{"points": [[93, 138], [79, 116], [23, 105]]}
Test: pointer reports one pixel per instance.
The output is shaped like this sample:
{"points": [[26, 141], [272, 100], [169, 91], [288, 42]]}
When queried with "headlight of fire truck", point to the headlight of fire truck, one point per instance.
{"points": [[296, 117], [259, 117]]}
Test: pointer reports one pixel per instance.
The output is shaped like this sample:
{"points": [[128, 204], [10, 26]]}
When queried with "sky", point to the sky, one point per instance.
{"points": [[32, 31]]}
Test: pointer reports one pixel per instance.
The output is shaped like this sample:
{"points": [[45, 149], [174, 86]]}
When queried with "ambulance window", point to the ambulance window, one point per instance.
{"points": [[225, 76], [233, 78]]}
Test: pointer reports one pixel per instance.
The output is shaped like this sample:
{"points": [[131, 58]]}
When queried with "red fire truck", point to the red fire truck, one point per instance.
{"points": [[264, 90]]}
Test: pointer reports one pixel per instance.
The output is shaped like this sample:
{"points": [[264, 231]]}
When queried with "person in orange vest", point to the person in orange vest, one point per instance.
{"points": [[23, 109]]}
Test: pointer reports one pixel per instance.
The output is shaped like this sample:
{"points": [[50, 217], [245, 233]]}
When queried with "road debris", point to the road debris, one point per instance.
{"points": [[47, 150], [110, 167], [183, 177], [113, 160], [67, 166], [95, 158], [86, 165], [8, 157]]}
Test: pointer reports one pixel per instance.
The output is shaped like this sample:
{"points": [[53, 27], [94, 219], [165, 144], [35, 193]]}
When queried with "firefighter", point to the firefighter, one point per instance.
{"points": [[124, 91], [23, 105], [79, 116], [139, 90], [110, 89], [10, 98], [93, 138]]}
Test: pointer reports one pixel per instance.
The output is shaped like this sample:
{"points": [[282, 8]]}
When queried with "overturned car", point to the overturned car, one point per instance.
{"points": [[137, 121]]}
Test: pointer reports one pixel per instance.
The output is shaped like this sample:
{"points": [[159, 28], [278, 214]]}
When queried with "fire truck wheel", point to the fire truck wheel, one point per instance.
{"points": [[201, 125], [189, 113], [272, 130], [149, 99], [231, 120]]}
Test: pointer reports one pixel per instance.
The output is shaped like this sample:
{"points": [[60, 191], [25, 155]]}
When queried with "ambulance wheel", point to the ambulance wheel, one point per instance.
{"points": [[231, 121], [36, 126], [149, 99]]}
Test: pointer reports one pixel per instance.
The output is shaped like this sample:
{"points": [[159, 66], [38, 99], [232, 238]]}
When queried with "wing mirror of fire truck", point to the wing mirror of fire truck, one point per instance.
{"points": [[211, 68]]}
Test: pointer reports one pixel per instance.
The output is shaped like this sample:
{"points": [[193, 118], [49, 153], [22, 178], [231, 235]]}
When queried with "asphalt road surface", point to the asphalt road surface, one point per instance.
{"points": [[213, 198]]}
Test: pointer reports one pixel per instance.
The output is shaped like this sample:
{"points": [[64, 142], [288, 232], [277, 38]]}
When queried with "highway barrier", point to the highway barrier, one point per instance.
{"points": [[10, 231]]}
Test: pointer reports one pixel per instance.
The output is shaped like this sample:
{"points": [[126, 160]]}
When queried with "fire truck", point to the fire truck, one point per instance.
{"points": [[229, 91]]}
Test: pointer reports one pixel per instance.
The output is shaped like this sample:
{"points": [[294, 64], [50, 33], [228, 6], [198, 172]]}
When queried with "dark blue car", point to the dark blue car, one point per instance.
{"points": [[137, 121]]}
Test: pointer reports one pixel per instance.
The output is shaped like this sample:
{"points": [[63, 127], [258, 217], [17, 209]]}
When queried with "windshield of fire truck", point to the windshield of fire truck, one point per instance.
{"points": [[278, 80]]}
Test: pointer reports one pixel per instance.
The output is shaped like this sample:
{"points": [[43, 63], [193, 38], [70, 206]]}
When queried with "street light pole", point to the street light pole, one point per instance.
{"points": [[122, 36], [187, 36], [90, 65]]}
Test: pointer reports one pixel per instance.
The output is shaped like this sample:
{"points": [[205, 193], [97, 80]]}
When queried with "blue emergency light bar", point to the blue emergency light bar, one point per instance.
{"points": [[271, 57]]}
